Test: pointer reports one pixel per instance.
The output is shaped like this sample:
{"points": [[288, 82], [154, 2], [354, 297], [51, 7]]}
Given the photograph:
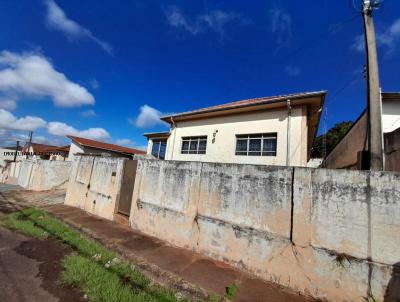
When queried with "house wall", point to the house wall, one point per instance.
{"points": [[95, 184], [76, 148], [330, 233], [73, 149], [391, 115], [223, 148]]}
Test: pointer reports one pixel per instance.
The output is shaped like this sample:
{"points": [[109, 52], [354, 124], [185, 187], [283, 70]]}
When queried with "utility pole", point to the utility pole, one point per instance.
{"points": [[16, 151], [30, 142], [375, 138]]}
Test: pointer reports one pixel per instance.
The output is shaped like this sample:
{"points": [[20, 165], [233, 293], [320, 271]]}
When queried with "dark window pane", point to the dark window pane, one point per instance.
{"points": [[163, 148], [269, 153], [202, 145], [241, 145], [241, 153], [255, 145], [185, 146], [269, 144], [193, 147], [155, 148]]}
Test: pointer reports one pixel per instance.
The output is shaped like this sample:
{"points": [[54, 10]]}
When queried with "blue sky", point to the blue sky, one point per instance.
{"points": [[107, 69]]}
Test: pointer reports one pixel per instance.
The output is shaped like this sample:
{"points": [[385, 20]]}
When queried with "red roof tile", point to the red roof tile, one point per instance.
{"points": [[245, 103], [42, 148], [105, 146]]}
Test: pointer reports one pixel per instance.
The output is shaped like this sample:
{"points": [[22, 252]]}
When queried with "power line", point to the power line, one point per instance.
{"points": [[332, 29]]}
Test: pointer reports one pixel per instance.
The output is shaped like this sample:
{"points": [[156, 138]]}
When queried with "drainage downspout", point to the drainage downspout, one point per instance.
{"points": [[173, 142], [289, 116]]}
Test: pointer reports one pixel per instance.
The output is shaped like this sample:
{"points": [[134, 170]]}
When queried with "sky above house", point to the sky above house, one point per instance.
{"points": [[107, 70]]}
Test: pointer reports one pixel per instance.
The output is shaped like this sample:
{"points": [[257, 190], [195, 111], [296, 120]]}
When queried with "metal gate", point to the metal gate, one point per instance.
{"points": [[127, 185]]}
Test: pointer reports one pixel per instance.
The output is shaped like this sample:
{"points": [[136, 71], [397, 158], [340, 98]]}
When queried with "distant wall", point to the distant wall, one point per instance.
{"points": [[95, 183], [40, 175], [344, 155], [331, 233], [392, 150]]}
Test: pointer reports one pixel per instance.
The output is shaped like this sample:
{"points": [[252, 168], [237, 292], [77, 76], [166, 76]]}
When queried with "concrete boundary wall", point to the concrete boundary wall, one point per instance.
{"points": [[331, 233], [40, 175], [95, 184]]}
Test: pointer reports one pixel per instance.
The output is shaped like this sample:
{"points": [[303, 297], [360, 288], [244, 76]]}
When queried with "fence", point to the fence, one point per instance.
{"points": [[331, 233]]}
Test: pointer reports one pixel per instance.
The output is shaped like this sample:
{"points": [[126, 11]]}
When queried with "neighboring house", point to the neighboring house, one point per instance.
{"points": [[46, 152], [276, 130], [89, 146], [7, 154], [346, 154]]}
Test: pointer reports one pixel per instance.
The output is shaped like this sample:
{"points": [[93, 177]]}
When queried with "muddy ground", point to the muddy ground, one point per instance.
{"points": [[30, 270]]}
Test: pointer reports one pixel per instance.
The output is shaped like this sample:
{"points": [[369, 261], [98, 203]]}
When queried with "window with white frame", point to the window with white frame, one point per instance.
{"points": [[159, 147], [263, 144], [194, 145]]}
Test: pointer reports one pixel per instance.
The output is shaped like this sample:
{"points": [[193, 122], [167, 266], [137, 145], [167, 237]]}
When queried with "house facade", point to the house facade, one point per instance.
{"points": [[45, 152], [80, 145], [346, 154], [267, 131]]}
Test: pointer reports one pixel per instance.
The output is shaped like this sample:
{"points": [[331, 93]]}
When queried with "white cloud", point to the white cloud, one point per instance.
{"points": [[281, 27], [63, 129], [58, 20], [8, 104], [215, 20], [124, 142], [88, 113], [359, 43], [387, 39], [292, 71], [28, 123], [148, 117], [32, 75]]}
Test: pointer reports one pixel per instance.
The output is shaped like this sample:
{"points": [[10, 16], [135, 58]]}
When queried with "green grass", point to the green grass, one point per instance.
{"points": [[230, 291], [96, 270], [17, 221], [99, 283]]}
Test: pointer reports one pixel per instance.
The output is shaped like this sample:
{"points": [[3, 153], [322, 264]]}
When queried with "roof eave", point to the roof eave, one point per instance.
{"points": [[322, 93]]}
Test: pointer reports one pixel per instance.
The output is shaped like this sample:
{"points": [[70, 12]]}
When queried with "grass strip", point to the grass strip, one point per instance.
{"points": [[99, 283], [96, 270]]}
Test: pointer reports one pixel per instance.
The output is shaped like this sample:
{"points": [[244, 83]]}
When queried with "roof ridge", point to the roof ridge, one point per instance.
{"points": [[238, 102]]}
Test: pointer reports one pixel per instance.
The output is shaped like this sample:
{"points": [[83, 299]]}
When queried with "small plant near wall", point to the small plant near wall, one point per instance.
{"points": [[371, 298], [230, 291]]}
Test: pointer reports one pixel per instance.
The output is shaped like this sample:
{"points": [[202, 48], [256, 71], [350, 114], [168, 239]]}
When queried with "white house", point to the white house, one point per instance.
{"points": [[80, 145], [276, 130]]}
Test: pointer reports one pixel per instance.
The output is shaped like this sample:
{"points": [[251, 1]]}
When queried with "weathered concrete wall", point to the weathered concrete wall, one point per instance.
{"points": [[95, 183], [326, 232], [40, 175]]}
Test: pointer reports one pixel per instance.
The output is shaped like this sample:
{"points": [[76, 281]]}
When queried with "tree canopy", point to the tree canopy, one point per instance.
{"points": [[332, 137]]}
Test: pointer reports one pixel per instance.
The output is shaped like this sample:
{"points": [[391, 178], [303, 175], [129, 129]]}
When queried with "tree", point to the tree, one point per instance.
{"points": [[330, 138]]}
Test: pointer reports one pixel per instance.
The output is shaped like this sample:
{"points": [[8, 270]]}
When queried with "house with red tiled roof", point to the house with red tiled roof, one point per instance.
{"points": [[80, 145], [278, 130], [45, 152]]}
